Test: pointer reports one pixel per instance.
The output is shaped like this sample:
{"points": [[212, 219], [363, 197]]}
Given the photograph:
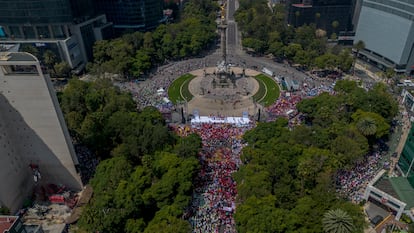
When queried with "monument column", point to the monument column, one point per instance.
{"points": [[223, 27]]}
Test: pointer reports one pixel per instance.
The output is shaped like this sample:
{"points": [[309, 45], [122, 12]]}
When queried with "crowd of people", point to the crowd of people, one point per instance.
{"points": [[147, 93], [351, 183], [87, 161], [215, 193], [285, 106]]}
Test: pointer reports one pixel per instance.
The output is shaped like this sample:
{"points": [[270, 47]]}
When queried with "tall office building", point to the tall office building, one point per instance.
{"points": [[132, 14], [387, 28], [35, 146], [406, 161], [67, 27], [322, 13]]}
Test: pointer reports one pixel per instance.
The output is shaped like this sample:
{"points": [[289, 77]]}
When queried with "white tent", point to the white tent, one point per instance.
{"points": [[166, 100], [160, 91]]}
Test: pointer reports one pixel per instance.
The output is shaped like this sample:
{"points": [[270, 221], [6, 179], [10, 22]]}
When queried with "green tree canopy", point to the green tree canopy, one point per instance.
{"points": [[133, 55], [337, 221]]}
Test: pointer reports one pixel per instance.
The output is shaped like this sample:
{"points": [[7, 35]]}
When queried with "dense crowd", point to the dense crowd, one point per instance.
{"points": [[351, 183], [285, 106], [213, 203], [87, 162], [153, 91]]}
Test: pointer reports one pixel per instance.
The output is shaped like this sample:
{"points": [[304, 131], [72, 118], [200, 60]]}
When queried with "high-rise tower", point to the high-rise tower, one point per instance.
{"points": [[322, 13], [67, 27], [133, 14], [387, 29], [35, 146]]}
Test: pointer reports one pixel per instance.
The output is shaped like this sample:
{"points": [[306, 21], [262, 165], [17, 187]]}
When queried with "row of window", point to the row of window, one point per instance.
{"points": [[394, 11], [410, 2], [30, 32], [388, 201]]}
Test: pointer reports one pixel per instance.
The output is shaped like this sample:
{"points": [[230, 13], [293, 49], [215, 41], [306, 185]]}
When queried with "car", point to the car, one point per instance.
{"points": [[377, 220]]}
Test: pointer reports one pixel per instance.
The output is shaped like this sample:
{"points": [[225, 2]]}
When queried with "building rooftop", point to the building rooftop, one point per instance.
{"points": [[384, 184], [398, 187], [404, 190], [6, 222], [302, 5], [9, 56]]}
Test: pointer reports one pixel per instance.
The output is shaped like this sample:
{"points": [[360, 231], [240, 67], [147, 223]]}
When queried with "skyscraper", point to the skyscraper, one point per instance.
{"points": [[322, 13], [35, 146], [67, 27], [132, 14], [387, 29]]}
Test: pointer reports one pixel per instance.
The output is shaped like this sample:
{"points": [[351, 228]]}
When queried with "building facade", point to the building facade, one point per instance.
{"points": [[132, 15], [406, 160], [11, 224], [394, 194], [35, 145], [67, 27], [322, 14], [387, 29]]}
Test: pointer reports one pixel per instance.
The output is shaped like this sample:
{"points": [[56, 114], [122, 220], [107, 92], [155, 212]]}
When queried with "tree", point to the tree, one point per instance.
{"points": [[370, 124], [297, 14], [101, 213], [257, 45], [50, 60], [317, 17], [260, 215], [4, 210], [334, 36], [348, 147], [345, 60], [253, 180], [188, 146], [165, 222], [30, 49], [380, 101], [367, 126], [327, 61], [141, 63], [335, 25], [390, 73], [291, 50], [310, 164], [305, 36], [337, 221], [358, 46], [62, 69]]}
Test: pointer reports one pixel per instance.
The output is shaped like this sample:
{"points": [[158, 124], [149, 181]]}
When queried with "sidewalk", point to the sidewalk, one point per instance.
{"points": [[405, 130], [371, 74]]}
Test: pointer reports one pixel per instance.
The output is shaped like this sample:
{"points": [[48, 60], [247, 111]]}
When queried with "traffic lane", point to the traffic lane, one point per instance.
{"points": [[278, 68], [231, 9], [231, 34]]}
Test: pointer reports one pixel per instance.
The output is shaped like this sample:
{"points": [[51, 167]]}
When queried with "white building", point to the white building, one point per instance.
{"points": [[32, 132], [387, 29]]}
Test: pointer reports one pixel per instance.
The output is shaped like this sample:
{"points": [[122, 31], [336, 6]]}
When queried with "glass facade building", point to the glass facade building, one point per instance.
{"points": [[67, 27], [387, 29], [406, 161], [35, 12], [132, 14], [322, 13], [42, 18]]}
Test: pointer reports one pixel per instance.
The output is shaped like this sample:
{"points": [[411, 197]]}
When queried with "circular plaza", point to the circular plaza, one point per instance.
{"points": [[229, 91]]}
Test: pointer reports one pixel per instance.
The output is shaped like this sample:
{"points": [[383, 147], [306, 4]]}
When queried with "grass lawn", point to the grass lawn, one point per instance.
{"points": [[178, 90], [261, 92], [273, 91]]}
